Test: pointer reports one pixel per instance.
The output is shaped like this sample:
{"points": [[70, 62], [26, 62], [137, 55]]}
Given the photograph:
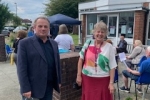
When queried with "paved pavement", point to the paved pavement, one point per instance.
{"points": [[9, 87]]}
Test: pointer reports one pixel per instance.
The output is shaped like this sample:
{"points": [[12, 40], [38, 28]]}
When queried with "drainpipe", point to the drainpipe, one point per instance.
{"points": [[145, 24]]}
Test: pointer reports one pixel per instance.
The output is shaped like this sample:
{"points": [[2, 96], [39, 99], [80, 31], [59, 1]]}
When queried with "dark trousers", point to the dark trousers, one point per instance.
{"points": [[49, 93], [129, 64]]}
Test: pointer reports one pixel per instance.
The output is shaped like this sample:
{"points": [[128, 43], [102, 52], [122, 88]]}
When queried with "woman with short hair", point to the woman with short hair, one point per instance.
{"points": [[64, 40], [97, 73]]}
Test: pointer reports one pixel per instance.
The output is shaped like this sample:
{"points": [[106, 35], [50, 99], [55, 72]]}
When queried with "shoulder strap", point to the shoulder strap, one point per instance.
{"points": [[140, 52], [85, 52]]}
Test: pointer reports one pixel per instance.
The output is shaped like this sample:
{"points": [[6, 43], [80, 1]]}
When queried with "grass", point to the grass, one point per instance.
{"points": [[75, 38], [9, 40]]}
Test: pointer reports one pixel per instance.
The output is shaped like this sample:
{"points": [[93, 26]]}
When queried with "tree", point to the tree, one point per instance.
{"points": [[5, 15], [66, 7], [16, 20]]}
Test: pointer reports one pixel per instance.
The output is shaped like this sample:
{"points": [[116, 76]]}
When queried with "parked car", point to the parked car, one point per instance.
{"points": [[19, 28], [5, 32], [9, 28]]}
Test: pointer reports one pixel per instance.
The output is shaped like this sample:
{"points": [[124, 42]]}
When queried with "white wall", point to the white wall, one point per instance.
{"points": [[87, 5], [126, 1]]}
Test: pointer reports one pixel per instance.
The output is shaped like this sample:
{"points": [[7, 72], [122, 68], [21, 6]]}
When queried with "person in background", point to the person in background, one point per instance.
{"points": [[136, 55], [38, 63], [21, 35], [64, 40], [109, 41], [30, 31], [134, 74], [97, 73], [122, 46]]}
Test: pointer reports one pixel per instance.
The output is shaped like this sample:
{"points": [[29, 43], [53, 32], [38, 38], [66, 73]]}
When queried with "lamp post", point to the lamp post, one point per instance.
{"points": [[16, 14]]}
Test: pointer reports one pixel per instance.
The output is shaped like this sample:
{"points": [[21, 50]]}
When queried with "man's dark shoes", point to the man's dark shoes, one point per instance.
{"points": [[124, 89]]}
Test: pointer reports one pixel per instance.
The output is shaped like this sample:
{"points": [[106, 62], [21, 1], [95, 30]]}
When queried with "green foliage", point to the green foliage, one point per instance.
{"points": [[66, 7], [129, 98], [9, 40], [75, 39], [16, 20], [5, 15]]}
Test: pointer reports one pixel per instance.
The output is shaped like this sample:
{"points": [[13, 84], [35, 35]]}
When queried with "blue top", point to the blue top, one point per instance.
{"points": [[30, 33], [142, 59], [145, 66]]}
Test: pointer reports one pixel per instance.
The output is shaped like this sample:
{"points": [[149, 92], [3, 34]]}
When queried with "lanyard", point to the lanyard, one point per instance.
{"points": [[97, 51]]}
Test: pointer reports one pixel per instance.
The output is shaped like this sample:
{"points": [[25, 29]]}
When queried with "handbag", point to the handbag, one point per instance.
{"points": [[75, 85]]}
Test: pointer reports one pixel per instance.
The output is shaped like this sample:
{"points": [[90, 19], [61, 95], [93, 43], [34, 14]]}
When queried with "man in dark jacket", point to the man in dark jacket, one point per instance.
{"points": [[122, 46], [39, 63]]}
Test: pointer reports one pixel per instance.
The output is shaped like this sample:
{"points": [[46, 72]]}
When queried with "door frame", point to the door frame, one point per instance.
{"points": [[117, 24]]}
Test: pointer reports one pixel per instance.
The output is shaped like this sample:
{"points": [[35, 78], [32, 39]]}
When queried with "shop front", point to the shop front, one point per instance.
{"points": [[128, 19]]}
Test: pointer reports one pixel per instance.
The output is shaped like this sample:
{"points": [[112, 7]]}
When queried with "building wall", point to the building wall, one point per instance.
{"points": [[126, 1], [2, 48], [139, 25], [68, 73]]}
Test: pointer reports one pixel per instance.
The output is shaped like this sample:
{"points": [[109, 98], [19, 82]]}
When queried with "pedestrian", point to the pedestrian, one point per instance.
{"points": [[39, 63], [21, 35], [96, 66], [30, 31], [64, 39], [122, 46]]}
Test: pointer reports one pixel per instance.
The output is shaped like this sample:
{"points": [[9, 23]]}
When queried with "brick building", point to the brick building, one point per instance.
{"points": [[129, 17]]}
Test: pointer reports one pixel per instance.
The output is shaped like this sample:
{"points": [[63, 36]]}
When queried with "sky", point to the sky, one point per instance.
{"points": [[26, 9]]}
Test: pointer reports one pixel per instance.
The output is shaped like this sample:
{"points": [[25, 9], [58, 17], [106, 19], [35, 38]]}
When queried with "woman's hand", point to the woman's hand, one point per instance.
{"points": [[79, 80], [111, 88]]}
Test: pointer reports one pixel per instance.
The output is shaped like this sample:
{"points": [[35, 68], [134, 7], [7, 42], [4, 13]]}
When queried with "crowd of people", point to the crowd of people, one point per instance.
{"points": [[38, 62]]}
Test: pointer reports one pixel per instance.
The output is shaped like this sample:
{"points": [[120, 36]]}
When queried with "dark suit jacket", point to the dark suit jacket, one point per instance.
{"points": [[32, 67], [123, 48]]}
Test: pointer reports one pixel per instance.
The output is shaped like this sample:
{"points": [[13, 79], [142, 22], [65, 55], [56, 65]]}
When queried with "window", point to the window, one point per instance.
{"points": [[126, 22], [91, 21]]}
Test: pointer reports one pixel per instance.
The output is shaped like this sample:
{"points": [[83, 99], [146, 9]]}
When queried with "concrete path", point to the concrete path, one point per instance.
{"points": [[9, 87]]}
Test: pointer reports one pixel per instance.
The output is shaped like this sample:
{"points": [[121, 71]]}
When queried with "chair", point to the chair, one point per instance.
{"points": [[116, 81], [78, 48], [144, 79], [8, 51]]}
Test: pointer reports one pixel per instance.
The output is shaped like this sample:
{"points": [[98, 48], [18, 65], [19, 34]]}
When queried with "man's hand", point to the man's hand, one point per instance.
{"points": [[59, 85], [27, 94]]}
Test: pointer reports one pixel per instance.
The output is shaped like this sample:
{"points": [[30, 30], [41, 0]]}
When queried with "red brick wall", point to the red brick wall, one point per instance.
{"points": [[139, 25], [69, 71], [2, 48]]}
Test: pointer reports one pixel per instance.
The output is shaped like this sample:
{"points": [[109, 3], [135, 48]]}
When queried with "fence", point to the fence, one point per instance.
{"points": [[129, 48]]}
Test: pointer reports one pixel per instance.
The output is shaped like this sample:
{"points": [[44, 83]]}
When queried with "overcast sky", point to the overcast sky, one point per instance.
{"points": [[26, 9]]}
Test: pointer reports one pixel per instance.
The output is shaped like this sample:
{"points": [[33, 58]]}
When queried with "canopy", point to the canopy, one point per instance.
{"points": [[63, 19]]}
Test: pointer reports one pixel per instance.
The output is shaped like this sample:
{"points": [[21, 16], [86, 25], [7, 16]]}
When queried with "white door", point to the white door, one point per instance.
{"points": [[112, 23]]}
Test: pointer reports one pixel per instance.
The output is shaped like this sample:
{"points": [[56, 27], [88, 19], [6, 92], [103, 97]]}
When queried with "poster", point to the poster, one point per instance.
{"points": [[123, 29], [112, 30], [129, 30], [91, 27]]}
